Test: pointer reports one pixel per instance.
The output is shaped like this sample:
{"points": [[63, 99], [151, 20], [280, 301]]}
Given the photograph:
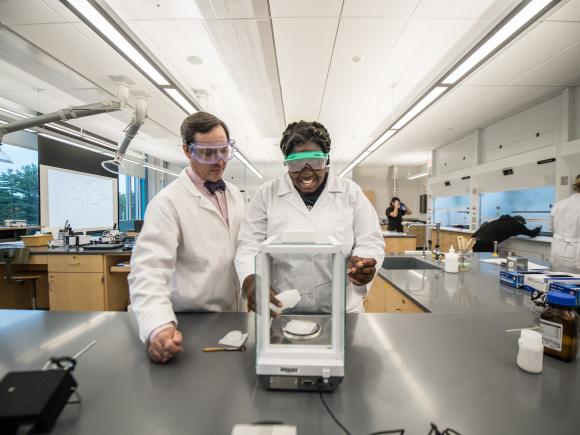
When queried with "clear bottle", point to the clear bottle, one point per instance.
{"points": [[559, 324]]}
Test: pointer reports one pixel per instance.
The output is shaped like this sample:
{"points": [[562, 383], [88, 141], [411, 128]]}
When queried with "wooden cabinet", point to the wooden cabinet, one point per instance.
{"points": [[76, 291], [419, 233], [384, 298], [85, 283], [394, 245], [448, 238]]}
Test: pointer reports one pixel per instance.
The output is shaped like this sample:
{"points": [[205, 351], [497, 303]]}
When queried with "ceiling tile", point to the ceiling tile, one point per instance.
{"points": [[459, 8], [231, 9], [554, 70], [172, 45], [305, 8], [246, 49], [155, 9], [423, 45], [379, 8], [304, 49], [302, 102], [27, 12], [533, 48], [371, 39], [569, 11]]}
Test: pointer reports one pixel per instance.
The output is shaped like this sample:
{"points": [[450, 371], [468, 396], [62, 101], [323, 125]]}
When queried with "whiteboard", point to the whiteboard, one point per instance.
{"points": [[88, 202]]}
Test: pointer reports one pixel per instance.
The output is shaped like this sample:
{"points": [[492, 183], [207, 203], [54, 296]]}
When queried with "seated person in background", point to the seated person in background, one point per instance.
{"points": [[395, 213], [499, 230]]}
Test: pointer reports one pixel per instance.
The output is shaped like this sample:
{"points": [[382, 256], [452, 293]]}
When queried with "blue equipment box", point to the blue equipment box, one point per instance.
{"points": [[572, 288], [514, 278]]}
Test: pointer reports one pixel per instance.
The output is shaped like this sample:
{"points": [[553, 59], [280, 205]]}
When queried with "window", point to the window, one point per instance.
{"points": [[451, 211], [132, 200], [19, 192], [534, 205]]}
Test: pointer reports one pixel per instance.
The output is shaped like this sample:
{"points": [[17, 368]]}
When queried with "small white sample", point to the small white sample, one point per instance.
{"points": [[288, 298], [234, 339], [300, 327], [531, 351]]}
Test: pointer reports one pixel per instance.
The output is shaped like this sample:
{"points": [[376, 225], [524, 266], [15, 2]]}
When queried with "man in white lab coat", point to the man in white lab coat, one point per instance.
{"points": [[311, 198], [566, 225], [184, 256]]}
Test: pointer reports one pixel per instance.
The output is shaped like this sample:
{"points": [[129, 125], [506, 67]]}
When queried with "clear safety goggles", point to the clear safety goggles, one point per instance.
{"points": [[211, 153], [316, 160]]}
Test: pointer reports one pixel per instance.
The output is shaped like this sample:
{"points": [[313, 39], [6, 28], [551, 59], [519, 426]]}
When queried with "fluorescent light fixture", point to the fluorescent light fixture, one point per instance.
{"points": [[180, 100], [363, 156], [418, 175], [155, 168], [12, 112], [89, 138], [246, 163], [517, 23], [381, 140], [104, 27], [241, 158], [74, 144], [419, 106], [347, 170]]}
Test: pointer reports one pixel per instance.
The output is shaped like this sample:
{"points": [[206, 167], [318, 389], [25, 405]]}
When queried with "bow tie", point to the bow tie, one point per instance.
{"points": [[214, 186]]}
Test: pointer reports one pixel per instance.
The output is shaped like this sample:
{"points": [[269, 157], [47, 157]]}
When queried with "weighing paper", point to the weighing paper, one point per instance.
{"points": [[300, 327], [233, 339], [288, 299]]}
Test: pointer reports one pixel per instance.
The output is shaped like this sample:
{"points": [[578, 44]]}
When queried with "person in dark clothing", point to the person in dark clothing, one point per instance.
{"points": [[395, 213], [499, 230]]}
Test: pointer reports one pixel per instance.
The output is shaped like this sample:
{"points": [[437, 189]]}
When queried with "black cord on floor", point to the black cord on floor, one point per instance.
{"points": [[336, 420]]}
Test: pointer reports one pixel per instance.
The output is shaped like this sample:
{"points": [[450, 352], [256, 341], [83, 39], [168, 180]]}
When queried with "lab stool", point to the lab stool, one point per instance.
{"points": [[21, 278], [11, 255]]}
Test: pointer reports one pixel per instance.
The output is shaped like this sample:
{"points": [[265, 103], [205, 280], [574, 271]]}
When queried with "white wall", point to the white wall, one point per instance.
{"points": [[375, 178], [550, 129], [380, 179]]}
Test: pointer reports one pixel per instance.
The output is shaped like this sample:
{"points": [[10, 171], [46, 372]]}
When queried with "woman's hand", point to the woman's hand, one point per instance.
{"points": [[249, 288], [361, 271]]}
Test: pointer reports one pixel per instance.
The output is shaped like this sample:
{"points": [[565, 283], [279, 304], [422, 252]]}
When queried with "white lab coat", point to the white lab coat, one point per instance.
{"points": [[184, 256], [566, 241], [342, 211]]}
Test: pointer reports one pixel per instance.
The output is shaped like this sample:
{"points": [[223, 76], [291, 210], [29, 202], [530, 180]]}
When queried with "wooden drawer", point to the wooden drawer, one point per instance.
{"points": [[75, 263]]}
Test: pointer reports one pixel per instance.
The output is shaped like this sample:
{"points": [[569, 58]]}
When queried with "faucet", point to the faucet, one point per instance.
{"points": [[438, 227]]}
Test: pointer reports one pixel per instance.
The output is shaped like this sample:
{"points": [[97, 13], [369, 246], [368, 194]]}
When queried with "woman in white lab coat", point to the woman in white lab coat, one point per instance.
{"points": [[311, 198], [566, 225], [184, 256]]}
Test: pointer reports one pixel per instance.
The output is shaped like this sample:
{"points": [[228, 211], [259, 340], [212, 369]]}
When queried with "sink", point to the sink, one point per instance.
{"points": [[402, 263]]}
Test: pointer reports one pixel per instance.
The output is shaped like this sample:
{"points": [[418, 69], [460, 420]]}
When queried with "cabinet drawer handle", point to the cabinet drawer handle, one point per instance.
{"points": [[75, 264]]}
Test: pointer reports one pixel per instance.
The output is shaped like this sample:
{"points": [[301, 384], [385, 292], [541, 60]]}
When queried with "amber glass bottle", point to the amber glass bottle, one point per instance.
{"points": [[559, 324]]}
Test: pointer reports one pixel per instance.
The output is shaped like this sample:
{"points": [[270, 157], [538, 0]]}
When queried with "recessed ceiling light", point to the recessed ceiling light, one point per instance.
{"points": [[195, 60], [357, 58]]}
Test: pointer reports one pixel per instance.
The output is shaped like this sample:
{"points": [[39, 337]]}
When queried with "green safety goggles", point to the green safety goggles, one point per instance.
{"points": [[296, 162]]}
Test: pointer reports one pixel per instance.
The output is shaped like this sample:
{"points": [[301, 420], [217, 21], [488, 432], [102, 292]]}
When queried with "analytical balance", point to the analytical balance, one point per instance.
{"points": [[302, 348]]}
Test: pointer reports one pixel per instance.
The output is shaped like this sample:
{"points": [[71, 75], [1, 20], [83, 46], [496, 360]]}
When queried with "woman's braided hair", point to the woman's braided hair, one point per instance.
{"points": [[301, 132]]}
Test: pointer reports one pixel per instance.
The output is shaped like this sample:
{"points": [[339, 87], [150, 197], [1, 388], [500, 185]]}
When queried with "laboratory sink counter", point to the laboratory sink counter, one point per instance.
{"points": [[472, 291], [402, 371]]}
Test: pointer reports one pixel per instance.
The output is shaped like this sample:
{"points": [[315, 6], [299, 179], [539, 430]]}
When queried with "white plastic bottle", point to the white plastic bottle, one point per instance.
{"points": [[531, 351], [451, 261]]}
